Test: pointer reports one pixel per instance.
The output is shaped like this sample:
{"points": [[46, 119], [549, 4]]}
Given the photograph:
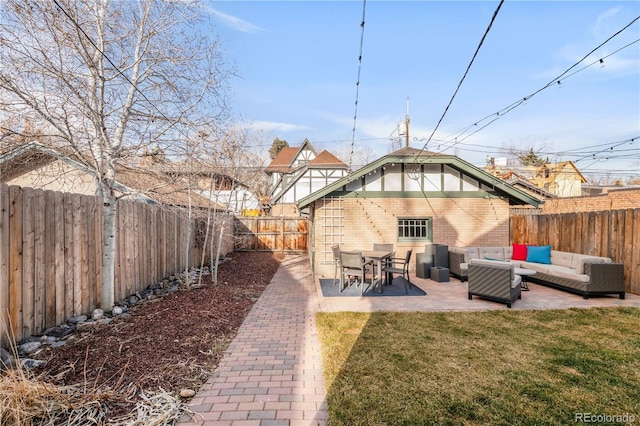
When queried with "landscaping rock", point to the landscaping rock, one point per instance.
{"points": [[28, 348], [117, 310], [97, 314], [58, 343], [77, 319], [47, 340], [5, 358], [187, 393], [59, 331], [31, 363]]}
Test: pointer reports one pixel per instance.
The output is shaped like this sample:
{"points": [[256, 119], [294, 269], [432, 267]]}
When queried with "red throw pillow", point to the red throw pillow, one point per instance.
{"points": [[519, 252]]}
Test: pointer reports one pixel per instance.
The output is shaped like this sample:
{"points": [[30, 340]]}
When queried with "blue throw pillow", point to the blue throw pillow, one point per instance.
{"points": [[539, 254]]}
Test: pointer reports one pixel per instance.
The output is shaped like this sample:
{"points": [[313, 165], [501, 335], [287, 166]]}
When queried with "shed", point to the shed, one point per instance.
{"points": [[410, 198]]}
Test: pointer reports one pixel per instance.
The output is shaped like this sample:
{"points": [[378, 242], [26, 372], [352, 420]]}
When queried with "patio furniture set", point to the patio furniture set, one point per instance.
{"points": [[501, 273], [379, 264]]}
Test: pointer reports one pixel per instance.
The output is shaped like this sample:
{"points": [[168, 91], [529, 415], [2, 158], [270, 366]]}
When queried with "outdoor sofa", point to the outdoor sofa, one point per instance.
{"points": [[573, 272]]}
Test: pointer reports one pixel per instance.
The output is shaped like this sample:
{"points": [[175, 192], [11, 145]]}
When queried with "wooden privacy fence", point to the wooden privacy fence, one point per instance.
{"points": [[51, 254], [287, 234], [610, 233]]}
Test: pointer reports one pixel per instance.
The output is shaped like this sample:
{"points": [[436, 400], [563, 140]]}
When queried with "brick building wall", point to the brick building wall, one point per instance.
{"points": [[363, 221], [614, 200]]}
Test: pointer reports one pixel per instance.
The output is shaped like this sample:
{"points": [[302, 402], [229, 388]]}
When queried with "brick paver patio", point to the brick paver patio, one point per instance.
{"points": [[271, 374]]}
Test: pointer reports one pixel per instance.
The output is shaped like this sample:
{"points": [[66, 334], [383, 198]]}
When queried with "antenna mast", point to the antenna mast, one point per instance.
{"points": [[406, 124]]}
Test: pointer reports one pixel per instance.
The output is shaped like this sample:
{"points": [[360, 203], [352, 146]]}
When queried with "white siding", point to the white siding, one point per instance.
{"points": [[451, 179], [393, 178], [432, 177]]}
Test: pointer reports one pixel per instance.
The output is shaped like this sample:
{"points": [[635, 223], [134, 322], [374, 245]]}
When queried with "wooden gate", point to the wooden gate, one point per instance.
{"points": [[285, 234]]}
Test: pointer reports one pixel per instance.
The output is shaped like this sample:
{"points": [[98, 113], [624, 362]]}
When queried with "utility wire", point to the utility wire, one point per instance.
{"points": [[484, 36], [556, 81], [104, 55], [355, 114], [607, 149]]}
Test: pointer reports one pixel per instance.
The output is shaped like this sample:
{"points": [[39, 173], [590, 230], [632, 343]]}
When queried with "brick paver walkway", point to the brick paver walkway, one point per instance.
{"points": [[271, 374]]}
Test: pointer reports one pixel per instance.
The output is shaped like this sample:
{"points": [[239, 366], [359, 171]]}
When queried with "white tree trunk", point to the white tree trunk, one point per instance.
{"points": [[218, 251], [108, 253]]}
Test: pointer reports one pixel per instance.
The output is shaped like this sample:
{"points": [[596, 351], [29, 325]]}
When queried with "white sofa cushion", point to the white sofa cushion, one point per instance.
{"points": [[517, 280], [580, 259], [538, 267], [502, 264], [491, 252], [570, 274], [562, 258], [508, 252], [471, 253]]}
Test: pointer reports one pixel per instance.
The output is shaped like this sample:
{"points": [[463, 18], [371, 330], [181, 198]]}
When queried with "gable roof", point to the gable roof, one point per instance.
{"points": [[556, 169], [408, 155], [283, 162], [326, 159]]}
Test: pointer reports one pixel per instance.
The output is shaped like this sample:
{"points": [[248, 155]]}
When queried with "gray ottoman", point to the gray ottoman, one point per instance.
{"points": [[439, 274]]}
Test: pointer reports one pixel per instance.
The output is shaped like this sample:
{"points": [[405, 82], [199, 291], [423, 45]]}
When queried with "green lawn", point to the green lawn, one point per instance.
{"points": [[497, 367]]}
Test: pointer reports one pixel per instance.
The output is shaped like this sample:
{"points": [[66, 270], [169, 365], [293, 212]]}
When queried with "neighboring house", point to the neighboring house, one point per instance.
{"points": [[562, 179], [297, 172], [526, 185], [410, 198], [231, 193], [222, 189], [35, 165]]}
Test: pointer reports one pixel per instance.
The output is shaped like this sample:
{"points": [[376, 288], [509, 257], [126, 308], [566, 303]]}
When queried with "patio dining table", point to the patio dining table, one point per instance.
{"points": [[377, 256]]}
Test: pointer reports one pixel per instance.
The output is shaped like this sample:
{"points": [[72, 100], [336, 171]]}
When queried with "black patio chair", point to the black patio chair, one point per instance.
{"points": [[384, 247], [400, 266]]}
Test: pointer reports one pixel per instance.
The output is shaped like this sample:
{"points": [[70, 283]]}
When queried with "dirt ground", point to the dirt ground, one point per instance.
{"points": [[173, 343]]}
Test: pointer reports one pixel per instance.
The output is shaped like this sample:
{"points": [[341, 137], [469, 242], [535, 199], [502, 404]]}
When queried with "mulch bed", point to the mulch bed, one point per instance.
{"points": [[172, 343]]}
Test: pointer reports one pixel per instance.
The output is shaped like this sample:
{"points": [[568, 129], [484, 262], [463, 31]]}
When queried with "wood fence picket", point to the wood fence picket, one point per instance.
{"points": [[609, 233], [51, 254]]}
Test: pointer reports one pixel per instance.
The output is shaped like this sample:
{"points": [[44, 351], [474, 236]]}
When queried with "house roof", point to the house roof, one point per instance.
{"points": [[327, 160], [145, 184], [408, 155], [324, 160], [283, 162], [161, 188], [556, 169]]}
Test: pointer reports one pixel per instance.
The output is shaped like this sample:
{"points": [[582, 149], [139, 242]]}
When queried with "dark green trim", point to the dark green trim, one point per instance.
{"points": [[414, 194], [410, 156]]}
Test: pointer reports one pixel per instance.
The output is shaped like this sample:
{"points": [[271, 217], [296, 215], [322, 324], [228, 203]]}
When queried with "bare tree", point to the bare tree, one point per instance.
{"points": [[106, 78]]}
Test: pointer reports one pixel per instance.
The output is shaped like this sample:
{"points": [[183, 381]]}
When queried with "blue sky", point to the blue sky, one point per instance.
{"points": [[298, 66]]}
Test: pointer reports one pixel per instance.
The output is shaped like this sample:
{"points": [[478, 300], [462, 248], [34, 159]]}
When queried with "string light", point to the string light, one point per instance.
{"points": [[484, 36], [556, 82], [355, 114]]}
